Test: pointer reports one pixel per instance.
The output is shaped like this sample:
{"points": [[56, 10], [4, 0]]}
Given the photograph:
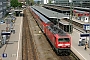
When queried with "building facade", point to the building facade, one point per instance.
{"points": [[3, 7], [75, 2], [44, 1]]}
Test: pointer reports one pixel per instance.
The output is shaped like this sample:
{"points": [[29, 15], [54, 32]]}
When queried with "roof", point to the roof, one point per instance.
{"points": [[18, 10], [49, 13], [64, 22], [78, 11], [42, 17]]}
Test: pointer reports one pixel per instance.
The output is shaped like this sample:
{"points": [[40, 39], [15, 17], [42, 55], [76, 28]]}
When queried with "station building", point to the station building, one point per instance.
{"points": [[78, 3]]}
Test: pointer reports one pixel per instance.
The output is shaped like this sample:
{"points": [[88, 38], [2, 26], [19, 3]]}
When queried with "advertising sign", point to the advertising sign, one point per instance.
{"points": [[86, 26]]}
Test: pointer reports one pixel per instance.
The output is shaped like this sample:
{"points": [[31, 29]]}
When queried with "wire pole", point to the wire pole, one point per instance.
{"points": [[70, 17], [57, 20]]}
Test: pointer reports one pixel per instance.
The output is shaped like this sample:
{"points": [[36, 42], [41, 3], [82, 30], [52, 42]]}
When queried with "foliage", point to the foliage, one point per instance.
{"points": [[49, 2], [15, 3], [20, 4]]}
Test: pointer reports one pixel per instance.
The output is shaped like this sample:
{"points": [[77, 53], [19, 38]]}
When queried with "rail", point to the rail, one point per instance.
{"points": [[66, 57], [28, 48]]}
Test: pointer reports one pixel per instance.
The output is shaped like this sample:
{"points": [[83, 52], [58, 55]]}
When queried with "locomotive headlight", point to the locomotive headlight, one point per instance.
{"points": [[60, 44], [64, 45], [67, 44]]}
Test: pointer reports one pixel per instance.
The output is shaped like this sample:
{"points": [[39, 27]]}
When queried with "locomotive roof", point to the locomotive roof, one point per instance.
{"points": [[42, 17], [56, 30]]}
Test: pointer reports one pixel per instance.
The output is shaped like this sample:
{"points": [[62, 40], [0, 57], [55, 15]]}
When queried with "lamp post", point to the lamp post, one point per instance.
{"points": [[70, 17], [57, 20], [81, 3]]}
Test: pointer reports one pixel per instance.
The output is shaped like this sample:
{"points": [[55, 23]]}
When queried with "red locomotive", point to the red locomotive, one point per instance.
{"points": [[60, 40]]}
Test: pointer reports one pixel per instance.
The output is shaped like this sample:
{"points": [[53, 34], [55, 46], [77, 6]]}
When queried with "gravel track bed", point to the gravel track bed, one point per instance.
{"points": [[43, 50]]}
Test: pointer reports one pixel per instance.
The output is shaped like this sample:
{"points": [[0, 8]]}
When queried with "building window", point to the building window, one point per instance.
{"points": [[1, 8], [0, 3], [4, 2], [4, 7], [1, 14]]}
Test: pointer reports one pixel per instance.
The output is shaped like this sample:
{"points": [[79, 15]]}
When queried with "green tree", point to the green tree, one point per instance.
{"points": [[49, 2], [14, 3], [31, 2], [20, 4]]}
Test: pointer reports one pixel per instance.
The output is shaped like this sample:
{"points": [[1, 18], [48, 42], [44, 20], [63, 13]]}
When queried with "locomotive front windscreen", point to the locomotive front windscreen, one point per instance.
{"points": [[63, 40]]}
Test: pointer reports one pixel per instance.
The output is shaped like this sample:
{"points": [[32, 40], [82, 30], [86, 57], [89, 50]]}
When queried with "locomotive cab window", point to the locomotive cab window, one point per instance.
{"points": [[63, 40]]}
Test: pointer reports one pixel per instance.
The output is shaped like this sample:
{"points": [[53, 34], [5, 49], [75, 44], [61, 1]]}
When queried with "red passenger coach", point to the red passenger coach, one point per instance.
{"points": [[42, 21], [59, 39]]}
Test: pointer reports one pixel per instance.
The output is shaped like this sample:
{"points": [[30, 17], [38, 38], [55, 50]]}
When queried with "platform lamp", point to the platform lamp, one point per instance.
{"points": [[81, 3], [57, 20], [70, 17], [56, 17]]}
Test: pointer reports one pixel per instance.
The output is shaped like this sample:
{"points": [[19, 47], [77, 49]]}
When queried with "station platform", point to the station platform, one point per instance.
{"points": [[12, 50], [79, 21], [79, 50]]}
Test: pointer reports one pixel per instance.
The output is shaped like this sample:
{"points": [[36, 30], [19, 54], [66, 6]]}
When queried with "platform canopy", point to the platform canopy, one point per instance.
{"points": [[49, 13]]}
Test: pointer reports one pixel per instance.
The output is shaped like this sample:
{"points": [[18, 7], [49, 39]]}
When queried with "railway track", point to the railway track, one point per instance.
{"points": [[71, 57], [28, 48], [65, 57]]}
